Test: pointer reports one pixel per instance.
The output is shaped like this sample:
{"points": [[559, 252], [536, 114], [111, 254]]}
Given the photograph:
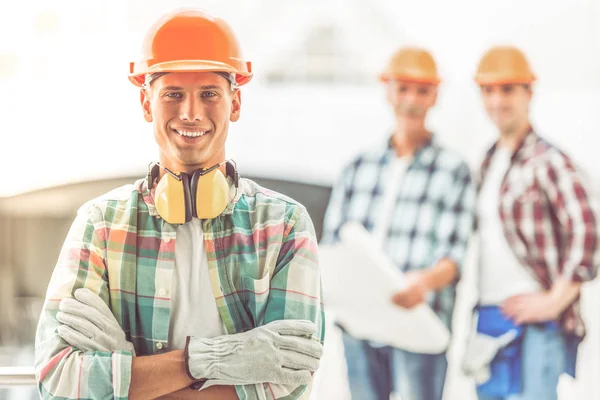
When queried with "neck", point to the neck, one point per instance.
{"points": [[410, 137], [512, 138], [191, 168]]}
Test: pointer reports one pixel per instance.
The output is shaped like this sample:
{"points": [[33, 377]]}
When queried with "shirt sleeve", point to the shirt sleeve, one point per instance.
{"points": [[295, 293], [62, 371], [455, 223], [572, 206], [334, 215]]}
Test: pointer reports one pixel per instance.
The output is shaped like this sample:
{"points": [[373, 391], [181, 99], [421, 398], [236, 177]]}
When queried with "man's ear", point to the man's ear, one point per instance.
{"points": [[146, 106], [236, 105]]}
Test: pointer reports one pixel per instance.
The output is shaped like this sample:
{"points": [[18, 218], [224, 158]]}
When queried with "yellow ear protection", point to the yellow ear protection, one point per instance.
{"points": [[204, 194]]}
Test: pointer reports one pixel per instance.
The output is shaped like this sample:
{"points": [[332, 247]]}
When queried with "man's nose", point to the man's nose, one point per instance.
{"points": [[191, 110], [495, 99]]}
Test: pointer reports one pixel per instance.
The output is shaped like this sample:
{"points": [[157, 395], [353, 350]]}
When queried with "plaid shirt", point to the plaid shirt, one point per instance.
{"points": [[433, 217], [548, 219], [262, 256]]}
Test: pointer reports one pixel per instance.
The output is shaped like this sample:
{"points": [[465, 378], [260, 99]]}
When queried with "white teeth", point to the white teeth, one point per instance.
{"points": [[190, 134]]}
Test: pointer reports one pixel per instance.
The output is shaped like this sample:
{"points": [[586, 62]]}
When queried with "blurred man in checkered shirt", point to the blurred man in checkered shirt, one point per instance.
{"points": [[417, 199]]}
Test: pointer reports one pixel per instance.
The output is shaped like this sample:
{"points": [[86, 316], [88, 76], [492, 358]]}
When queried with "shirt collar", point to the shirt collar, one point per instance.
{"points": [[424, 156], [524, 150]]}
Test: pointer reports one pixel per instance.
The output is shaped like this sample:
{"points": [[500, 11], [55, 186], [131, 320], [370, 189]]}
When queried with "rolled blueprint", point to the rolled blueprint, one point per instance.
{"points": [[358, 283]]}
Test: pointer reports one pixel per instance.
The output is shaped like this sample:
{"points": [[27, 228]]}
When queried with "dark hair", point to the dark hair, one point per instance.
{"points": [[227, 75], [152, 77]]}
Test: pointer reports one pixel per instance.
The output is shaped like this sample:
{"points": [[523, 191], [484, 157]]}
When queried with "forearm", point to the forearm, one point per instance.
{"points": [[440, 275], [212, 393], [564, 292], [158, 375]]}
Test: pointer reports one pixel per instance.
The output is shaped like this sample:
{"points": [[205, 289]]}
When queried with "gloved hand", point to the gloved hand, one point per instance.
{"points": [[481, 350], [280, 352], [88, 324]]}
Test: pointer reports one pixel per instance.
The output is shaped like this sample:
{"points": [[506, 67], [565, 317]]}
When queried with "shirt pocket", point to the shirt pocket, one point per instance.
{"points": [[530, 195], [522, 188], [255, 295], [525, 207], [522, 192]]}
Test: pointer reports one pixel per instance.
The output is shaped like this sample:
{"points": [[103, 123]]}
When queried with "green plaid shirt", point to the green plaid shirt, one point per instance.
{"points": [[263, 262]]}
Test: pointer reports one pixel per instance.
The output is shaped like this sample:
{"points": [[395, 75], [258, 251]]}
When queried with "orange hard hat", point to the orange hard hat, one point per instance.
{"points": [[504, 65], [413, 65], [189, 40]]}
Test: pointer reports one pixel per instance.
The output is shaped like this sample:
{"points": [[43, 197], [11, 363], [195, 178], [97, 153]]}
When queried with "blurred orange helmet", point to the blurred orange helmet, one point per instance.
{"points": [[413, 65], [190, 40], [504, 65]]}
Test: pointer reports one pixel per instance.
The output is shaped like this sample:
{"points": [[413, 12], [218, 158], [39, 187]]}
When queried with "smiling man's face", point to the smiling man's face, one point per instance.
{"points": [[190, 113]]}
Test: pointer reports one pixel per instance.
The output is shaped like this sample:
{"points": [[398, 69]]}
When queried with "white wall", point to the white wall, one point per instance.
{"points": [[70, 89]]}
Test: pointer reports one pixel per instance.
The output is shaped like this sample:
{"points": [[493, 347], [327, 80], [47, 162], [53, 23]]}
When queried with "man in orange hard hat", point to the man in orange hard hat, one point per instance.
{"points": [[417, 200], [538, 242], [191, 278]]}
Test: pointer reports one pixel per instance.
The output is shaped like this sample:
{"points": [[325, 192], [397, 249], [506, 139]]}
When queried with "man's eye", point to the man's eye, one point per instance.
{"points": [[173, 95], [208, 94]]}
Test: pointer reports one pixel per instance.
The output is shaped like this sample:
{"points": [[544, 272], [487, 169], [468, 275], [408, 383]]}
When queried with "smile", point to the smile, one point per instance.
{"points": [[190, 134]]}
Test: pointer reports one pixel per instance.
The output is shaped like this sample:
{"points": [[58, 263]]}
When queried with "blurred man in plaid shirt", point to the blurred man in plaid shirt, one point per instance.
{"points": [[538, 240], [418, 201]]}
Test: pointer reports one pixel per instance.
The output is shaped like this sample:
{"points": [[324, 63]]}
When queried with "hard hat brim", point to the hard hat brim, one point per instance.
{"points": [[411, 79], [243, 74], [488, 81]]}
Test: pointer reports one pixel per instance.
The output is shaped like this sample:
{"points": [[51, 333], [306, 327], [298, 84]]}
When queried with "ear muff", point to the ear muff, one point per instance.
{"points": [[204, 194], [211, 193], [172, 199]]}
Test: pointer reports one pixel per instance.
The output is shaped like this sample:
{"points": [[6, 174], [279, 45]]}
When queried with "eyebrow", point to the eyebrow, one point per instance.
{"points": [[204, 87]]}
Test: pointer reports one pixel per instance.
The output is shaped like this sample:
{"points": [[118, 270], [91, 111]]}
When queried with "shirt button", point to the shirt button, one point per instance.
{"points": [[159, 345], [162, 291]]}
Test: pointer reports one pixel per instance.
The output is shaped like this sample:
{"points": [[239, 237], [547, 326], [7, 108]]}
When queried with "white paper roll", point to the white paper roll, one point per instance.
{"points": [[358, 283]]}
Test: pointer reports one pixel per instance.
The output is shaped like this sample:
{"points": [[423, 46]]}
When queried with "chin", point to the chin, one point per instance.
{"points": [[501, 123]]}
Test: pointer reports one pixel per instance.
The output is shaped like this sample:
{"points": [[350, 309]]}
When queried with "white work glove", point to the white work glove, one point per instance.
{"points": [[481, 350], [280, 352], [88, 324]]}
